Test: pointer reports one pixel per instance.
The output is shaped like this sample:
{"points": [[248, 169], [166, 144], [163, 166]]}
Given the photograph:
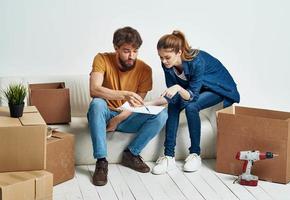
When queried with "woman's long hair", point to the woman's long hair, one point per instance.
{"points": [[176, 41]]}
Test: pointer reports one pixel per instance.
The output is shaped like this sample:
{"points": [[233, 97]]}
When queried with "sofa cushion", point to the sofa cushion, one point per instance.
{"points": [[118, 141]]}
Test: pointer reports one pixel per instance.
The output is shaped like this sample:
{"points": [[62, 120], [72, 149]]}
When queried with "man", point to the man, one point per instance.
{"points": [[116, 78]]}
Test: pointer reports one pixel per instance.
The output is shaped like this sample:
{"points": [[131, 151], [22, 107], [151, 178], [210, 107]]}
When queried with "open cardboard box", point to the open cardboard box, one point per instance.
{"points": [[52, 100], [60, 156], [244, 128]]}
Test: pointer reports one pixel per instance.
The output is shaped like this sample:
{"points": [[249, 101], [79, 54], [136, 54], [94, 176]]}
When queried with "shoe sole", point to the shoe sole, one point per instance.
{"points": [[126, 165], [170, 169], [158, 173], [191, 170], [100, 183]]}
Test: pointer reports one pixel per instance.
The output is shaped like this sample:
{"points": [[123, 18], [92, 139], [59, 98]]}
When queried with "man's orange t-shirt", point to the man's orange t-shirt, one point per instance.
{"points": [[138, 80]]}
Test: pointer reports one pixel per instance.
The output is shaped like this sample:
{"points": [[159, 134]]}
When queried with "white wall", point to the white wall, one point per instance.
{"points": [[251, 37]]}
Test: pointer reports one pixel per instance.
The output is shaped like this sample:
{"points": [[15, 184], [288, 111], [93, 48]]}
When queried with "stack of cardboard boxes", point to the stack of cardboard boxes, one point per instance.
{"points": [[23, 156], [30, 162]]}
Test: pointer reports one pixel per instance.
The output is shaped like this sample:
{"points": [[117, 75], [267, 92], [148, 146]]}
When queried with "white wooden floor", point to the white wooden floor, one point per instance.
{"points": [[127, 184]]}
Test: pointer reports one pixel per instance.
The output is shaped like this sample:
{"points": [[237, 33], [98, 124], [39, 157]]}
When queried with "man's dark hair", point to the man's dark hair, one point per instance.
{"points": [[127, 35]]}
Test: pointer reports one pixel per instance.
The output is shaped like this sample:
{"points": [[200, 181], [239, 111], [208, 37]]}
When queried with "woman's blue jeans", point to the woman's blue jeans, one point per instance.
{"points": [[144, 126], [206, 99]]}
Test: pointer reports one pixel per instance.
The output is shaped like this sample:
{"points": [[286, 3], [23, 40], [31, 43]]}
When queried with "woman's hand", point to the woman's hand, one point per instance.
{"points": [[170, 92], [156, 102]]}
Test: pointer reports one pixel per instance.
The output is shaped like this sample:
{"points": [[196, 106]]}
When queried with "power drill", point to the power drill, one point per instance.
{"points": [[249, 157]]}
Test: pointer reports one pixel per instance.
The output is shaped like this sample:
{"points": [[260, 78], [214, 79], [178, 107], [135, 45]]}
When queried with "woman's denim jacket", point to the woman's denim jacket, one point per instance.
{"points": [[207, 72]]}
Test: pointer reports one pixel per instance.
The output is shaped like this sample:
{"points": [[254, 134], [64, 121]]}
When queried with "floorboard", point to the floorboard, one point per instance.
{"points": [[106, 191], [127, 184]]}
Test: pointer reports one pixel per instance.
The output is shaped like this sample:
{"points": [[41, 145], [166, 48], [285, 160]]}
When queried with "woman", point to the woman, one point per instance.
{"points": [[195, 80]]}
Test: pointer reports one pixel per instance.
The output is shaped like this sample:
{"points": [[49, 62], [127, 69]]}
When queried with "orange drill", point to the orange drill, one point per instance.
{"points": [[249, 157]]}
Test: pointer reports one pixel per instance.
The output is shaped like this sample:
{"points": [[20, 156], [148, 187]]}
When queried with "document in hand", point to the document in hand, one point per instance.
{"points": [[153, 110]]}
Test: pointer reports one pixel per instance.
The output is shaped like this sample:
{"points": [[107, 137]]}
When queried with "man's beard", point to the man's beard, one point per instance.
{"points": [[126, 67]]}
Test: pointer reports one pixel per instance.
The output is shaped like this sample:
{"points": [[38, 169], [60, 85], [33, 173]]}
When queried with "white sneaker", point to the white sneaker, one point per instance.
{"points": [[163, 165], [192, 163]]}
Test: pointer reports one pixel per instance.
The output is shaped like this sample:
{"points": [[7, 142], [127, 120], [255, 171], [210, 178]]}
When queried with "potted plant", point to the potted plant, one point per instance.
{"points": [[15, 95]]}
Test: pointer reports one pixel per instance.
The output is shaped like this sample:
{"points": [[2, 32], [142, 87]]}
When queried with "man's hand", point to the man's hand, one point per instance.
{"points": [[134, 99], [170, 92], [113, 123]]}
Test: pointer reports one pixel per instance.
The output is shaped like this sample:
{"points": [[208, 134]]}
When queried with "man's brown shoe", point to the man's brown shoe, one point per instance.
{"points": [[101, 173], [134, 162]]}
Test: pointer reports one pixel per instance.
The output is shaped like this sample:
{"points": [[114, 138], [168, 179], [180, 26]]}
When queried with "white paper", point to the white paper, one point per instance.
{"points": [[153, 110]]}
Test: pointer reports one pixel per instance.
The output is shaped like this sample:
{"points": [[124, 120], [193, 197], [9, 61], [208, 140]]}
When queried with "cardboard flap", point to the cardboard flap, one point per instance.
{"points": [[17, 190], [16, 186], [32, 119], [53, 139], [43, 184], [228, 110], [56, 136], [253, 127], [47, 93], [262, 113], [8, 179], [37, 86], [9, 122], [4, 110], [30, 109]]}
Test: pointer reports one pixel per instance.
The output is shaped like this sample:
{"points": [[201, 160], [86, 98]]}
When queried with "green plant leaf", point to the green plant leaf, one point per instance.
{"points": [[15, 93]]}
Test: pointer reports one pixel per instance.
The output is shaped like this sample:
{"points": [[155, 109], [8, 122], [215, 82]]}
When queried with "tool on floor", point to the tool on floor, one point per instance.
{"points": [[249, 157]]}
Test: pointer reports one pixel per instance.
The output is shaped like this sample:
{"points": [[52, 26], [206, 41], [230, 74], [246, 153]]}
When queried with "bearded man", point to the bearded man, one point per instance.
{"points": [[115, 78]]}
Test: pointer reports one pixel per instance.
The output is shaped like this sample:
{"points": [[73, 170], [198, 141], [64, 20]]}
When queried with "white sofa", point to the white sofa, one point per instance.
{"points": [[80, 99]]}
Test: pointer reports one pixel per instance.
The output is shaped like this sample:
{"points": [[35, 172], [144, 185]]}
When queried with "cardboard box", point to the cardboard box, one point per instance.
{"points": [[60, 156], [22, 141], [52, 100], [242, 129], [30, 185]]}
